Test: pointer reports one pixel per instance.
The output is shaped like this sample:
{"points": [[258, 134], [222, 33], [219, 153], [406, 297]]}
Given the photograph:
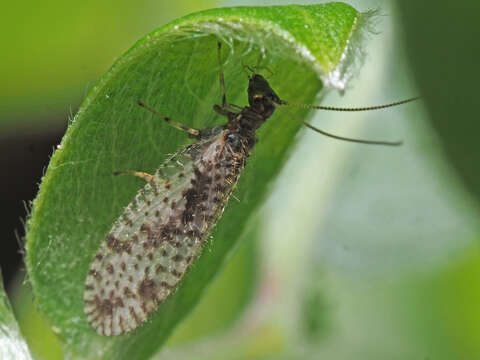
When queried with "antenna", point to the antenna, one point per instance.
{"points": [[332, 108], [360, 141]]}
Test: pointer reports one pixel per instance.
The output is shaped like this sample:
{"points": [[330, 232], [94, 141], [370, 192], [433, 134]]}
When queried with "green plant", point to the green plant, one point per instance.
{"points": [[174, 70]]}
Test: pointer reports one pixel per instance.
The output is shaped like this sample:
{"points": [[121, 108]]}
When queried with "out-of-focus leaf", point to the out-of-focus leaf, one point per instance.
{"points": [[442, 42], [12, 344], [54, 50]]}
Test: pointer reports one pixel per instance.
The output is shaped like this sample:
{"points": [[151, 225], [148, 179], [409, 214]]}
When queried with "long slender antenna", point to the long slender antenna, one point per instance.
{"points": [[361, 141], [368, 108]]}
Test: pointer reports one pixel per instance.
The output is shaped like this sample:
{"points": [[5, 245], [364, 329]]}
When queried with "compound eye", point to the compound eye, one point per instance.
{"points": [[257, 98]]}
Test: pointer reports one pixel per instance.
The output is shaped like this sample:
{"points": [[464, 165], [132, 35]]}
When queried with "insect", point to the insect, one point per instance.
{"points": [[161, 232]]}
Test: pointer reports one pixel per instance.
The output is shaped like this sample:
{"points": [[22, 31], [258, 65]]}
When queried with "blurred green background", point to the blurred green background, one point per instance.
{"points": [[363, 252]]}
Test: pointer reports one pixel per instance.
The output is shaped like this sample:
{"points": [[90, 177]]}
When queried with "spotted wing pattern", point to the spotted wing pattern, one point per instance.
{"points": [[159, 234]]}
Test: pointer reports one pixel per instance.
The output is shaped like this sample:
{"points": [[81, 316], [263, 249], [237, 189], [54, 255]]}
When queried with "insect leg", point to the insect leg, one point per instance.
{"points": [[221, 78], [192, 132], [221, 110], [152, 180]]}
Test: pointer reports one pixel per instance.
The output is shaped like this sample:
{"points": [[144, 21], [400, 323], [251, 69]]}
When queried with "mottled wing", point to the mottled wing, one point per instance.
{"points": [[152, 244]]}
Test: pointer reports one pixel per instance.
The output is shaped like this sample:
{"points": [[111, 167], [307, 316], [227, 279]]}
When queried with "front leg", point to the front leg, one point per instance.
{"points": [[153, 180], [227, 110], [222, 110]]}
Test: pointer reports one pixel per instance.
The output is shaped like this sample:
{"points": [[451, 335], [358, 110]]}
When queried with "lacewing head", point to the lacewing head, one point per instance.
{"points": [[261, 96]]}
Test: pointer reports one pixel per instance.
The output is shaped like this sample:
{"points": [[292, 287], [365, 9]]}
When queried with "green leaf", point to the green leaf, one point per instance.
{"points": [[450, 86], [174, 70], [44, 75], [12, 344], [41, 340], [442, 308]]}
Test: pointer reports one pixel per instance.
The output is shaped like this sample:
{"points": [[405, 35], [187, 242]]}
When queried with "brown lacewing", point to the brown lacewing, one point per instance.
{"points": [[162, 231]]}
